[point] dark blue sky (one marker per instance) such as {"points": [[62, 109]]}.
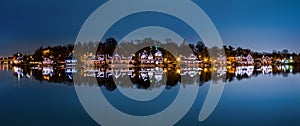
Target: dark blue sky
{"points": [[262, 25]]}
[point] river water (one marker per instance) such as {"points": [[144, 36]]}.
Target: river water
{"points": [[252, 96]]}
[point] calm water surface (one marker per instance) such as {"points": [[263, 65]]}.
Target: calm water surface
{"points": [[255, 99]]}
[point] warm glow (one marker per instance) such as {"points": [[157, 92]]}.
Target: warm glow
{"points": [[205, 69], [178, 71], [165, 70], [46, 78], [46, 51]]}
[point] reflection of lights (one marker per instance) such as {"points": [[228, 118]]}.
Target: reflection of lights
{"points": [[205, 70], [229, 67], [47, 71], [214, 69], [16, 69], [178, 59], [205, 59], [165, 70], [46, 78], [178, 71]]}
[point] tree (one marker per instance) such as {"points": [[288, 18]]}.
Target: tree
{"points": [[38, 55], [110, 45], [285, 51]]}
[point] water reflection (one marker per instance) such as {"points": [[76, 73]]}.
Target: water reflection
{"points": [[148, 78]]}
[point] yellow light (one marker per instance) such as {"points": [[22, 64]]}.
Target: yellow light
{"points": [[46, 78], [205, 69], [165, 70], [178, 59], [178, 71], [215, 69], [46, 51], [205, 59]]}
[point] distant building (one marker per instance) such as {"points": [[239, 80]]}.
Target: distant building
{"points": [[266, 60], [192, 59], [222, 60], [117, 59], [245, 60], [148, 58], [47, 61], [231, 60]]}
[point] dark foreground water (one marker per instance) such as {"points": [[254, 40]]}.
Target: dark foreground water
{"points": [[248, 99]]}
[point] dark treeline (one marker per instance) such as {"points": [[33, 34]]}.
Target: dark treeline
{"points": [[56, 53]]}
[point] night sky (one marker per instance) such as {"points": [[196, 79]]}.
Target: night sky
{"points": [[262, 25]]}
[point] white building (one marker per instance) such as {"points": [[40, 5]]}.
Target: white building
{"points": [[245, 60], [149, 58]]}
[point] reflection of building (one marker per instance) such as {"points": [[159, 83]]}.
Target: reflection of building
{"points": [[190, 71], [151, 73], [244, 70], [266, 69], [19, 72], [47, 71], [70, 64], [285, 68]]}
